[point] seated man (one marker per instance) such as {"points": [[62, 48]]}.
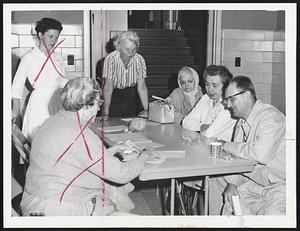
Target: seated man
{"points": [[70, 171], [259, 135]]}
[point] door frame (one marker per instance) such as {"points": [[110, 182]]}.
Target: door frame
{"points": [[214, 37]]}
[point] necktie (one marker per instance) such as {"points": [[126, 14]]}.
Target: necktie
{"points": [[245, 127]]}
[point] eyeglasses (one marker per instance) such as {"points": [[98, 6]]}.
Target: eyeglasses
{"points": [[229, 98], [99, 101]]}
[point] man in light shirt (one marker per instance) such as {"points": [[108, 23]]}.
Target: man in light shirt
{"points": [[259, 135]]}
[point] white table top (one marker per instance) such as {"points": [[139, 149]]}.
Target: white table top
{"points": [[197, 161]]}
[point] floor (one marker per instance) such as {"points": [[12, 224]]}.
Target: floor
{"points": [[146, 199]]}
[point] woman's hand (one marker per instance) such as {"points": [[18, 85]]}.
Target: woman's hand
{"points": [[148, 154], [120, 148], [204, 127], [169, 100], [143, 114], [137, 124]]}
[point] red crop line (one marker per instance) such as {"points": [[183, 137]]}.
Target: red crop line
{"points": [[102, 124], [52, 60], [73, 141], [86, 145], [38, 75], [102, 114], [78, 175]]}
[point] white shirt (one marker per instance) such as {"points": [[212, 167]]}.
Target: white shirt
{"points": [[221, 123]]}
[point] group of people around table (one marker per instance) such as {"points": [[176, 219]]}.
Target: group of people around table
{"points": [[71, 172]]}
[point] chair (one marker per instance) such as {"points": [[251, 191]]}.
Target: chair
{"points": [[21, 144], [22, 149]]}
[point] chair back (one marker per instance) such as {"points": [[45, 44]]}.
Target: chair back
{"points": [[22, 146], [21, 143]]}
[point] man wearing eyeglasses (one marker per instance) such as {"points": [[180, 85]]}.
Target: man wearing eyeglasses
{"points": [[259, 135]]}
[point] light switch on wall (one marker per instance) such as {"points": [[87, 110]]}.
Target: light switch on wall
{"points": [[70, 59], [237, 62]]}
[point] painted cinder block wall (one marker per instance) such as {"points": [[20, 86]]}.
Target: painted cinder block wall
{"points": [[258, 38], [24, 37]]}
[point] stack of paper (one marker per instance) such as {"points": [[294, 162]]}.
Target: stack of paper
{"points": [[119, 128], [172, 153], [133, 137]]}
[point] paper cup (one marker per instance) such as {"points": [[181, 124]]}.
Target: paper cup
{"points": [[215, 149]]}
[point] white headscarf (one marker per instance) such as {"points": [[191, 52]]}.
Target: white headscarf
{"points": [[192, 94]]}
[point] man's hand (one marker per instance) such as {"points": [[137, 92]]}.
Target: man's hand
{"points": [[229, 191], [207, 141]]}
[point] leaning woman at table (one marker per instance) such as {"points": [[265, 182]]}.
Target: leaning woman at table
{"points": [[187, 94], [44, 78], [69, 173], [124, 74]]}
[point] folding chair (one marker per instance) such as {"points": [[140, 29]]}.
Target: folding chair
{"points": [[22, 149], [21, 144]]}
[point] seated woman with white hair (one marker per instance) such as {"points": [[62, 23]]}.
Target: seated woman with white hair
{"points": [[71, 172]]}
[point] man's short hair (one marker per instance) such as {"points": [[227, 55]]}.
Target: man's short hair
{"points": [[126, 35], [244, 83], [79, 92], [221, 71]]}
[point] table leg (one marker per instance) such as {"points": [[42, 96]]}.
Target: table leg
{"points": [[172, 201], [206, 183]]}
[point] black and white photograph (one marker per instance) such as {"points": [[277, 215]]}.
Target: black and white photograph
{"points": [[164, 115]]}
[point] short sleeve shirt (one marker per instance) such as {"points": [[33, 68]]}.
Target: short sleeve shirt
{"points": [[115, 70]]}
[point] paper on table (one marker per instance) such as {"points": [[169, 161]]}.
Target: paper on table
{"points": [[156, 160], [172, 153], [142, 145], [133, 137], [152, 123], [115, 128]]}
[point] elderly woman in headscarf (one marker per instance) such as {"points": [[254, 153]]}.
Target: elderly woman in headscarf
{"points": [[187, 94]]}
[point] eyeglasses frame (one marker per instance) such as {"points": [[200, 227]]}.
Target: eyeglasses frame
{"points": [[225, 101]]}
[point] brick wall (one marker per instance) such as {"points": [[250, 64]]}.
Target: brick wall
{"points": [[262, 59], [24, 38]]}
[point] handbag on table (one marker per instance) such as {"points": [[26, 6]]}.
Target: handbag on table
{"points": [[161, 111]]}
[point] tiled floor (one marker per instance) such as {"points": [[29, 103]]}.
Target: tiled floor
{"points": [[146, 199]]}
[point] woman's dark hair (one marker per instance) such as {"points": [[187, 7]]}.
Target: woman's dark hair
{"points": [[221, 71], [244, 83], [46, 24]]}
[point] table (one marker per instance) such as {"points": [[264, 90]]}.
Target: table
{"points": [[197, 161]]}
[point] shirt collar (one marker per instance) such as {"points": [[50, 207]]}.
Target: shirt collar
{"points": [[130, 61], [211, 102], [253, 114]]}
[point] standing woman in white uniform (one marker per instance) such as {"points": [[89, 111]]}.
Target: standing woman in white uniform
{"points": [[44, 69]]}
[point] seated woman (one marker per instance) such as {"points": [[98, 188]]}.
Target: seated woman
{"points": [[187, 94], [209, 116], [71, 172]]}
